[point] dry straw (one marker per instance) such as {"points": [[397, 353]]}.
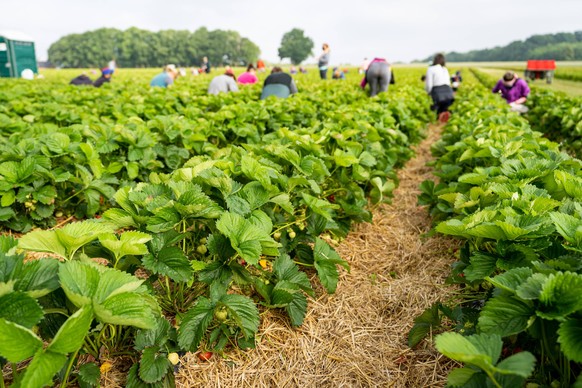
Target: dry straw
{"points": [[358, 336]]}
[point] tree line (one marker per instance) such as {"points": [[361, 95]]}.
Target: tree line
{"points": [[563, 46], [135, 47]]}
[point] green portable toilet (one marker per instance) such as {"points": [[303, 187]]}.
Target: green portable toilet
{"points": [[16, 54]]}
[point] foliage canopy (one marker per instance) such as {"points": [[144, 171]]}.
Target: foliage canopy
{"points": [[295, 46], [135, 47]]}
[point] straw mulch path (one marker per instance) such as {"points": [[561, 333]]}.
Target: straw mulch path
{"points": [[356, 337]]}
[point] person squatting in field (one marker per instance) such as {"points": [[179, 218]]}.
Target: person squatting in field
{"points": [[223, 83], [249, 76], [456, 81], [83, 79], [514, 90], [105, 77], [438, 86], [338, 73], [165, 78], [278, 84], [378, 75]]}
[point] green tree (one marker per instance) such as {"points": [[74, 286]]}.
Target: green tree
{"points": [[295, 46], [135, 47]]}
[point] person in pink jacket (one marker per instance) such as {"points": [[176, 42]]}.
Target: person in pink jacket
{"points": [[248, 77]]}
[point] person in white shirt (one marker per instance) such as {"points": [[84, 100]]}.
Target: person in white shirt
{"points": [[438, 86], [223, 83]]}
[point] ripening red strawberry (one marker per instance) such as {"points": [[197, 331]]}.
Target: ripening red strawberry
{"points": [[204, 356]]}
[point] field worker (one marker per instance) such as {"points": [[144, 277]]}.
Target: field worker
{"points": [[323, 61], [456, 81], [438, 86], [378, 76], [278, 84], [83, 79], [223, 83], [249, 76], [261, 66], [165, 78], [106, 74], [338, 73], [205, 65], [364, 66], [514, 90]]}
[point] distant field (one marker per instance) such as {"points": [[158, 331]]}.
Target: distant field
{"points": [[568, 74], [516, 64], [565, 70], [573, 88], [571, 71]]}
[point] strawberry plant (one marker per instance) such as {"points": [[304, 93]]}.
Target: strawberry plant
{"points": [[223, 205], [514, 199], [92, 292]]}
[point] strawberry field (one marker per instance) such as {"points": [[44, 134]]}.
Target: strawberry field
{"points": [[145, 223], [512, 196], [168, 218]]}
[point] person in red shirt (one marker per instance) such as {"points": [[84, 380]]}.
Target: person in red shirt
{"points": [[261, 66]]}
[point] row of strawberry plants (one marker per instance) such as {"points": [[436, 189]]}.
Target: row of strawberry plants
{"points": [[236, 227], [555, 114], [559, 116], [515, 201], [50, 170]]}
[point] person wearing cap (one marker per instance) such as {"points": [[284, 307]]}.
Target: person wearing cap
{"points": [[378, 75], [165, 78], [249, 76], [278, 84], [514, 90], [223, 83], [105, 77]]}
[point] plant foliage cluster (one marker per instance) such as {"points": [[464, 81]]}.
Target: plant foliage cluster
{"points": [[212, 208], [514, 199], [555, 114], [66, 150]]}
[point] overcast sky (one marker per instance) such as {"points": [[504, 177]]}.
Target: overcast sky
{"points": [[399, 30]]}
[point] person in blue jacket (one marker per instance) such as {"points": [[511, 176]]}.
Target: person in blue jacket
{"points": [[165, 78]]}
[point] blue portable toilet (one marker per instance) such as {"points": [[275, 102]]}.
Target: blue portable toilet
{"points": [[16, 54]]}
